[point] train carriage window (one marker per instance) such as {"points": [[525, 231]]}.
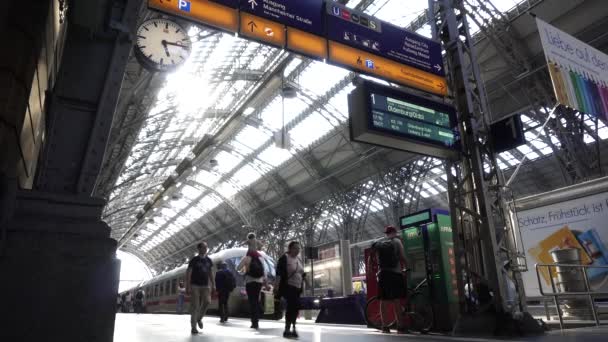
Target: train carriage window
{"points": [[162, 290], [156, 292], [167, 287], [174, 286]]}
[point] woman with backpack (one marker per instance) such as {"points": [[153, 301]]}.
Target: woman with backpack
{"points": [[255, 276], [290, 277]]}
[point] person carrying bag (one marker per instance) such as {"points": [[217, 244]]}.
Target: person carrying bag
{"points": [[288, 285]]}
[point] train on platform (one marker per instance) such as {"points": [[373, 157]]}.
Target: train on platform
{"points": [[161, 292]]}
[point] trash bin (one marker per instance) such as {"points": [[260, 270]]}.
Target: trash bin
{"points": [[571, 279]]}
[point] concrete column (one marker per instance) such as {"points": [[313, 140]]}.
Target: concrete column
{"points": [[347, 268]]}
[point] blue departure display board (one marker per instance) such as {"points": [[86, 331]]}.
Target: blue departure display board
{"points": [[367, 33], [306, 15], [392, 118]]}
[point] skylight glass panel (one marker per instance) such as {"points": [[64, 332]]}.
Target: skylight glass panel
{"points": [[509, 158], [206, 178], [209, 203], [226, 161], [274, 156], [193, 213], [501, 165], [227, 190], [432, 190], [603, 133], [320, 71], [340, 102], [292, 66], [246, 175], [251, 138], [179, 204], [272, 116], [310, 130], [526, 150], [190, 192]]}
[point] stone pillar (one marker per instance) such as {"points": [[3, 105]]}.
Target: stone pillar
{"points": [[58, 268], [59, 271], [22, 26]]}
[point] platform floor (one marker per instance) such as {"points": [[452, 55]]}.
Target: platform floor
{"points": [[174, 328]]}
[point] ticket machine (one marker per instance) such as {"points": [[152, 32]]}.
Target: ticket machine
{"points": [[429, 248]]}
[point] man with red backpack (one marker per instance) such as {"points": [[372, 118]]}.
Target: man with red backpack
{"points": [[391, 282], [252, 265]]}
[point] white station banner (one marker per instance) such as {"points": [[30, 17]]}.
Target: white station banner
{"points": [[580, 223], [578, 71], [571, 53]]}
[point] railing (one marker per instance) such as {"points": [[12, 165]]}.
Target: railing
{"points": [[556, 294]]}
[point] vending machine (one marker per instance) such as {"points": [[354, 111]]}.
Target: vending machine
{"points": [[429, 248]]}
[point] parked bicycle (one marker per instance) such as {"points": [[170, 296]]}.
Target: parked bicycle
{"points": [[416, 310]]}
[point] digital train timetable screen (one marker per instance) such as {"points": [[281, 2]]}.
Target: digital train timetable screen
{"points": [[400, 119], [412, 120]]}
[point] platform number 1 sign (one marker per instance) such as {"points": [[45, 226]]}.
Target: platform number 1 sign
{"points": [[184, 5]]}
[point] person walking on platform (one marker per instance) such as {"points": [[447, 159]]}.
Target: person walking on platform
{"points": [[255, 276], [289, 281], [225, 283], [391, 282], [181, 297], [127, 302], [200, 284], [139, 301]]}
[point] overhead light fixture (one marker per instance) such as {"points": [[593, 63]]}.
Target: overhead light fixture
{"points": [[289, 92], [248, 111], [213, 163]]}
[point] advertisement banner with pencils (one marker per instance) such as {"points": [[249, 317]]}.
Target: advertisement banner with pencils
{"points": [[579, 72]]}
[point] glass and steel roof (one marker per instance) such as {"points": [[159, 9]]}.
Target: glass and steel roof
{"points": [[217, 88]]}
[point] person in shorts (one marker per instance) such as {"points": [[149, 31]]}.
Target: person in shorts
{"points": [[391, 281]]}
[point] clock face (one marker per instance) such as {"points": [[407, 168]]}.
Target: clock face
{"points": [[162, 44]]}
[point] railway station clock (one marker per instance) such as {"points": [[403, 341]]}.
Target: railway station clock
{"points": [[162, 45]]}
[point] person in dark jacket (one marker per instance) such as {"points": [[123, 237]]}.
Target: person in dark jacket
{"points": [[224, 283], [289, 281]]}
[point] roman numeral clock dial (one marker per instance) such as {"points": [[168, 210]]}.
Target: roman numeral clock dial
{"points": [[162, 45]]}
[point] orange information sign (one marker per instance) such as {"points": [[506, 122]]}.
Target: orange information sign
{"points": [[386, 69], [201, 11], [262, 30], [306, 43]]}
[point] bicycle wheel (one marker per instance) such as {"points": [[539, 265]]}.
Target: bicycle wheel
{"points": [[373, 315], [420, 314]]}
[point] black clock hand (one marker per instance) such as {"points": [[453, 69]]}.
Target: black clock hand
{"points": [[176, 44], [164, 42]]}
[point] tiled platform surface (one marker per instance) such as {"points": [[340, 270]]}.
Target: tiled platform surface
{"points": [[173, 328]]}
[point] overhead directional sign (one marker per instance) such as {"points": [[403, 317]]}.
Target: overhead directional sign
{"points": [[262, 30], [306, 15], [201, 11], [367, 33], [306, 44], [386, 69], [325, 30], [391, 118], [229, 3]]}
